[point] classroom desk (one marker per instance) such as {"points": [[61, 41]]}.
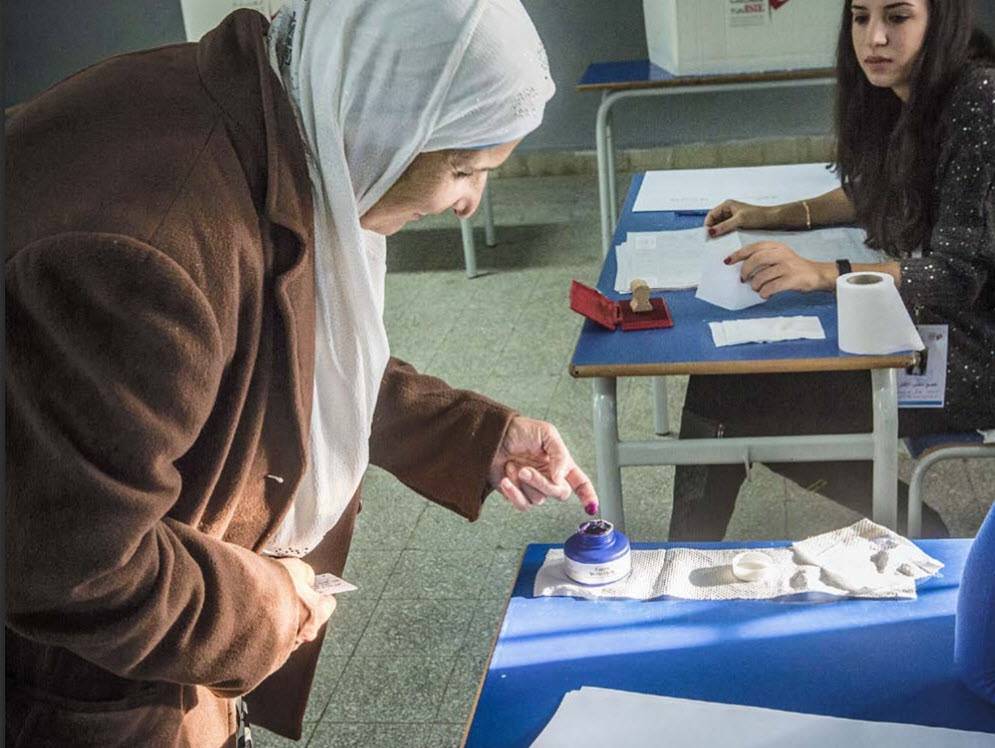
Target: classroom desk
{"points": [[687, 348], [630, 79], [888, 661]]}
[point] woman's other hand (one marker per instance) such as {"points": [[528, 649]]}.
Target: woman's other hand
{"points": [[533, 464], [732, 214], [320, 607], [772, 267]]}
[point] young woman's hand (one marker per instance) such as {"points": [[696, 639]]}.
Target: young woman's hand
{"points": [[772, 267], [732, 214], [320, 607], [534, 464]]}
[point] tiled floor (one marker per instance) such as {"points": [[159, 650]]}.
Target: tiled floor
{"points": [[405, 653]]}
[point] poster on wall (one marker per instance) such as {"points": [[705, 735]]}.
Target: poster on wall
{"points": [[200, 16], [744, 13]]}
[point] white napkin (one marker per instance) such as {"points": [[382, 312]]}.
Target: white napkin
{"points": [[686, 573], [867, 560], [766, 330], [841, 563]]}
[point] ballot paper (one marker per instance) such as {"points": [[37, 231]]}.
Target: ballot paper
{"points": [[721, 284], [639, 720], [329, 584], [694, 189], [674, 259]]}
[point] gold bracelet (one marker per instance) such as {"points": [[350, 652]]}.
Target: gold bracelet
{"points": [[808, 215]]}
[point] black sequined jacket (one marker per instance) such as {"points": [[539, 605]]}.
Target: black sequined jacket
{"points": [[953, 282]]}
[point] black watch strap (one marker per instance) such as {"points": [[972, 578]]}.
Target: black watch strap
{"points": [[843, 267]]}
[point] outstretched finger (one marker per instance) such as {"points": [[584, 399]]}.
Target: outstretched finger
{"points": [[584, 489]]}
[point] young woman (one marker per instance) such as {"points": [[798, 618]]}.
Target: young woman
{"points": [[915, 127], [197, 368]]}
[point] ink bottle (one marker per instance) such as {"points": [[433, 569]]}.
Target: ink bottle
{"points": [[597, 554]]}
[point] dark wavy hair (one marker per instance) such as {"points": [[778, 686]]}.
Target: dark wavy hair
{"points": [[887, 151]]}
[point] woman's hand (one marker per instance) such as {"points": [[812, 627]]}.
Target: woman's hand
{"points": [[732, 214], [320, 607], [772, 267], [533, 464]]}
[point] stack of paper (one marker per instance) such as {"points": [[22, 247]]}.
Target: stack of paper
{"points": [[674, 259], [692, 189]]}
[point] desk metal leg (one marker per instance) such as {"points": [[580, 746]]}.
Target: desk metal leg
{"points": [[612, 182], [884, 384], [601, 139], [488, 216], [469, 250], [606, 451], [661, 419]]}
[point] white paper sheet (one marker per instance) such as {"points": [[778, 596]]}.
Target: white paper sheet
{"points": [[599, 717], [721, 284], [673, 259], [697, 189]]}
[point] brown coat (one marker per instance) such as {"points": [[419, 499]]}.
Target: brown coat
{"points": [[160, 325]]}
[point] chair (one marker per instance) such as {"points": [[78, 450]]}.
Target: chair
{"points": [[466, 228], [928, 450]]}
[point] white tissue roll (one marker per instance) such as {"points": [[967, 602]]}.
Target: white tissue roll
{"points": [[872, 317]]}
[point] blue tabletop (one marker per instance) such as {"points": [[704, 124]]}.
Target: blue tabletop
{"points": [[864, 659], [687, 347], [643, 73]]}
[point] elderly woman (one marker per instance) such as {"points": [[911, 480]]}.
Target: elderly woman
{"points": [[198, 372]]}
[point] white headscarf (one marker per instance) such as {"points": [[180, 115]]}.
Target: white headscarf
{"points": [[374, 83]]}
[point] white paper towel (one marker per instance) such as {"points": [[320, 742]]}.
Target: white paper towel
{"points": [[765, 330], [863, 560], [867, 559], [872, 316]]}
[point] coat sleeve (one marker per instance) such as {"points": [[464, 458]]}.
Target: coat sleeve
{"points": [[114, 360], [437, 440]]}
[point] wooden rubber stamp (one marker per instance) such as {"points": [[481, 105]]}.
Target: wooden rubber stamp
{"points": [[640, 296]]}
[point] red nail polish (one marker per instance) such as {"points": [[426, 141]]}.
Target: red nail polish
{"points": [[591, 509], [727, 260], [711, 232]]}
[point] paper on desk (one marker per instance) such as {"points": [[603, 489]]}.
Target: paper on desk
{"points": [[673, 259], [664, 259], [599, 717], [696, 189], [721, 284]]}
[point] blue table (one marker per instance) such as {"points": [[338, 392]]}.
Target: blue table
{"points": [[629, 79], [877, 660], [687, 348]]}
